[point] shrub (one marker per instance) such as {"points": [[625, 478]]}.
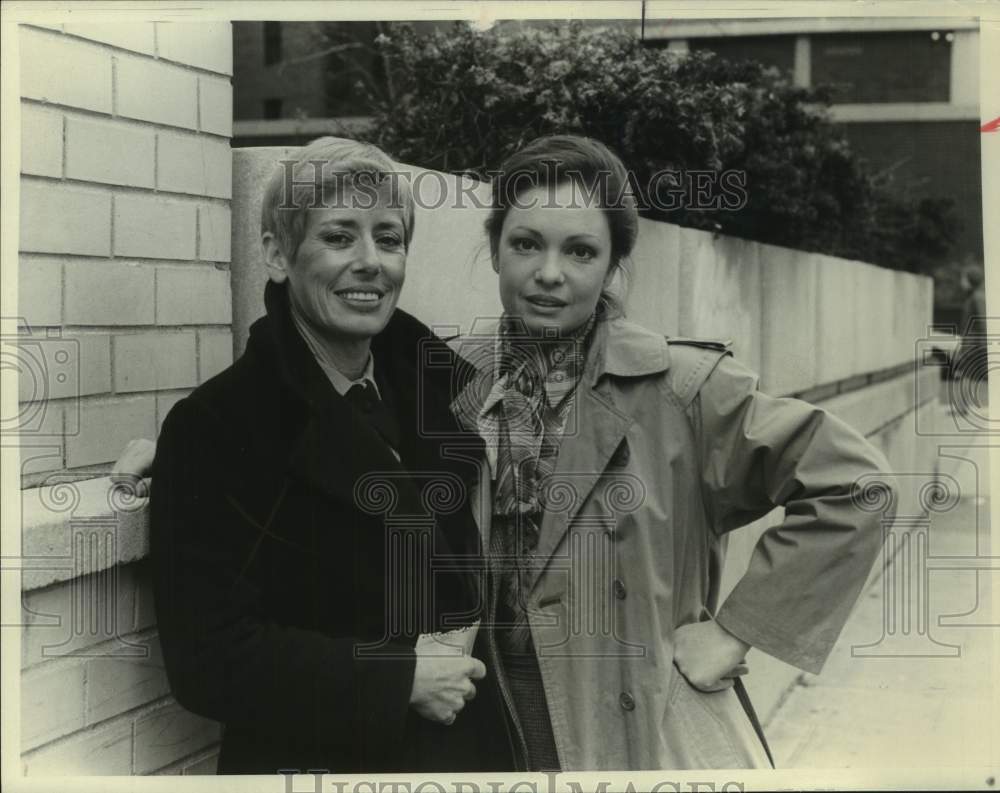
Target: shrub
{"points": [[463, 99]]}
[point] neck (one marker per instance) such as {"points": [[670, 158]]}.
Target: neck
{"points": [[347, 356]]}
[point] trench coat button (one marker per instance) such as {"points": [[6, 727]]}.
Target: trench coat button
{"points": [[619, 588], [627, 701]]}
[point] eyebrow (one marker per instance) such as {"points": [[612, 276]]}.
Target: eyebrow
{"points": [[354, 225], [583, 235]]}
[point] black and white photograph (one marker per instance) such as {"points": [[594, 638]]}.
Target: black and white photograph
{"points": [[469, 397]]}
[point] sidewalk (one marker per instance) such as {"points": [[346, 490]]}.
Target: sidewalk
{"points": [[889, 699]]}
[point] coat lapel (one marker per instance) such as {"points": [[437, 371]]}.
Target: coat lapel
{"points": [[335, 451], [594, 429], [474, 364], [343, 458]]}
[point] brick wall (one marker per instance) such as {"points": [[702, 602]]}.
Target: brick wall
{"points": [[124, 307]]}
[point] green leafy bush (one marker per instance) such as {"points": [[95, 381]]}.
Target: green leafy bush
{"points": [[461, 100]]}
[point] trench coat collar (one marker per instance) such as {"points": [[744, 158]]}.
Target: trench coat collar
{"points": [[623, 349], [619, 348], [596, 426]]}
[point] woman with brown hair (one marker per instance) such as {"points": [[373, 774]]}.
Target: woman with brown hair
{"points": [[617, 461]]}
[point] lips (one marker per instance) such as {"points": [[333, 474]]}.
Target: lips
{"points": [[360, 294], [545, 301]]}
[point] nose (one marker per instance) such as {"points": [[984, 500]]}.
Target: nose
{"points": [[368, 256], [550, 273]]}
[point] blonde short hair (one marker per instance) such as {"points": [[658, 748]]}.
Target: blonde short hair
{"points": [[320, 169]]}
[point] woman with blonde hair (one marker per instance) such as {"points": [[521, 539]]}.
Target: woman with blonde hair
{"points": [[290, 605]]}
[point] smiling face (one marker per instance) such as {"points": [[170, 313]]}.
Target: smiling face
{"points": [[347, 273], [553, 257]]}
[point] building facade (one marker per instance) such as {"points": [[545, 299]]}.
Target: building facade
{"points": [[906, 92]]}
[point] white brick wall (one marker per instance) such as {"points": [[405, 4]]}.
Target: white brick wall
{"points": [[106, 750], [39, 290], [134, 36], [52, 702], [41, 142], [194, 164], [109, 425], [60, 219], [215, 105], [189, 296], [125, 306], [168, 733], [65, 366], [115, 685], [214, 232], [109, 293], [64, 71], [155, 361], [207, 45], [174, 102], [110, 152], [94, 692], [152, 227]]}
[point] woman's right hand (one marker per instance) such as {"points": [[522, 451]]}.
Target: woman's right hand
{"points": [[135, 465], [443, 684]]}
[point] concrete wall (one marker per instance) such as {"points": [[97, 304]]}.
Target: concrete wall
{"points": [[801, 320], [124, 306]]}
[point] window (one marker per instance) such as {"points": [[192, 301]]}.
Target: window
{"points": [[272, 108], [272, 43], [774, 50], [910, 66]]}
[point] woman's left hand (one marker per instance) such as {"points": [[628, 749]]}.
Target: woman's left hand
{"points": [[709, 656]]}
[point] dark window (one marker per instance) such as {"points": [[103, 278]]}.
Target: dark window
{"points": [[272, 42], [272, 108], [911, 66], [774, 50]]}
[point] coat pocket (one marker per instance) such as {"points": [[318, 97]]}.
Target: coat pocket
{"points": [[702, 726]]}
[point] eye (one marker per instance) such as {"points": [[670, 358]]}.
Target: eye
{"points": [[582, 252], [390, 241], [338, 239], [523, 245]]}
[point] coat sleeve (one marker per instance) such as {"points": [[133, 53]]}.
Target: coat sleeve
{"points": [[759, 452], [225, 660]]}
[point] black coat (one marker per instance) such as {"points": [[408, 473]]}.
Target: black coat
{"points": [[286, 609]]}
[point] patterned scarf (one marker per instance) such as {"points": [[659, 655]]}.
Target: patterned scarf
{"points": [[526, 411], [529, 404]]}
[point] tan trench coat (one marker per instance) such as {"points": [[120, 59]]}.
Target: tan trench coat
{"points": [[669, 446]]}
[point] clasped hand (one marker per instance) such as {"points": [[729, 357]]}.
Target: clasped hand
{"points": [[709, 656], [443, 684]]}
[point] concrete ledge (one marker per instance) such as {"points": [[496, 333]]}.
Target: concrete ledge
{"points": [[679, 28], [72, 529], [903, 111], [872, 407]]}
